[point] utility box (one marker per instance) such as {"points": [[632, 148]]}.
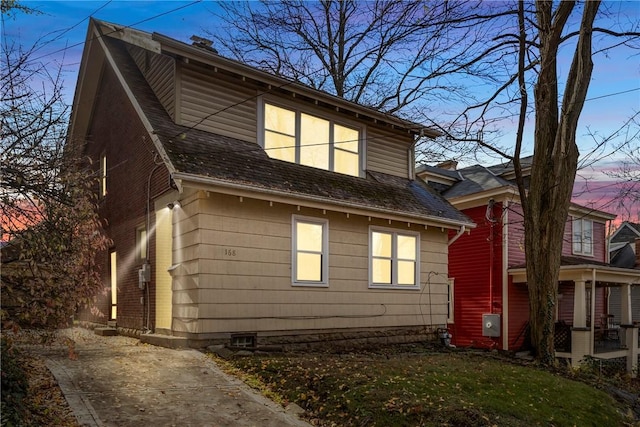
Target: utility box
{"points": [[491, 325]]}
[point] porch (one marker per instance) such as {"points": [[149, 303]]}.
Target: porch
{"points": [[585, 329]]}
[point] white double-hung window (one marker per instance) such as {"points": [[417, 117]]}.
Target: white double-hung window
{"points": [[298, 137], [582, 232], [310, 242], [394, 258]]}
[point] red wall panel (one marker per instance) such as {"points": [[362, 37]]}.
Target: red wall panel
{"points": [[477, 278]]}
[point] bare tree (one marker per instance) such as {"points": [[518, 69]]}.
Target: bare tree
{"points": [[50, 229], [388, 55], [543, 28]]}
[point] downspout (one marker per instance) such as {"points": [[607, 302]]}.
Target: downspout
{"points": [[457, 236], [492, 220], [146, 290]]}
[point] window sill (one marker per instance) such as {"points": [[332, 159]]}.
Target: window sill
{"points": [[395, 287], [310, 285]]}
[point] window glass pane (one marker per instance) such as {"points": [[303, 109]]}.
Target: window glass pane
{"points": [[381, 271], [103, 175], [314, 141], [381, 244], [406, 247], [142, 239], [346, 163], [345, 138], [577, 235], [279, 120], [309, 267], [406, 273], [309, 237], [280, 147], [587, 236]]}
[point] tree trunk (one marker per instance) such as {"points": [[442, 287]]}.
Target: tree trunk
{"points": [[554, 166]]}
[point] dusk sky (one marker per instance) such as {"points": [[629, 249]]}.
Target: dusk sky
{"points": [[613, 97]]}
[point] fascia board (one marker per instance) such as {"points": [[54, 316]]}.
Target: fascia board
{"points": [[481, 198], [139, 111]]}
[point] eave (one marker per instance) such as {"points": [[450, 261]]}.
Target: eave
{"points": [[194, 53], [247, 190]]}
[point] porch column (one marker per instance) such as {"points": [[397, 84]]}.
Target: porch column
{"points": [[625, 305], [580, 305], [628, 333], [580, 334], [630, 336]]}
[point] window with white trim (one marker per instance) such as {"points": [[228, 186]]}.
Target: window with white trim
{"points": [[298, 137], [310, 246], [394, 258], [582, 232]]}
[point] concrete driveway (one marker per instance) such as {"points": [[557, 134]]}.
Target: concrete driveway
{"points": [[117, 381]]}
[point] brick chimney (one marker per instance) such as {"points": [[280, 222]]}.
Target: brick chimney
{"points": [[637, 252]]}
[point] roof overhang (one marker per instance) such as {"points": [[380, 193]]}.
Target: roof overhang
{"points": [[498, 194], [194, 53], [587, 273], [243, 190]]}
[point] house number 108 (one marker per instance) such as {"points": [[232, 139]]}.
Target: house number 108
{"points": [[229, 252]]}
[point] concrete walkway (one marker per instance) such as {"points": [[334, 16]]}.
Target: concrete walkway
{"points": [[116, 381]]}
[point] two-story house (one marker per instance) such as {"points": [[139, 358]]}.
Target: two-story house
{"points": [[249, 209], [487, 270]]}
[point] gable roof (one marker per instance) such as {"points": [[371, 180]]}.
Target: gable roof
{"points": [[479, 179], [202, 159], [627, 232]]}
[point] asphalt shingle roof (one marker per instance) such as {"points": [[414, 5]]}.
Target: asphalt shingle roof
{"points": [[204, 154], [476, 179]]}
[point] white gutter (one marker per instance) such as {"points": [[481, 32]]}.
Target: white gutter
{"points": [[457, 236]]}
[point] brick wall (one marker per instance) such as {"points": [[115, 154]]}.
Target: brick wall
{"points": [[117, 132]]}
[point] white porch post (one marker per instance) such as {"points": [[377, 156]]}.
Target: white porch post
{"points": [[580, 305], [580, 334], [629, 333], [625, 304]]}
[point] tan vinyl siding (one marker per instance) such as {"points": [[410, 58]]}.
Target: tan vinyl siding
{"points": [[388, 152], [212, 102], [162, 264], [161, 76], [243, 260], [159, 71]]}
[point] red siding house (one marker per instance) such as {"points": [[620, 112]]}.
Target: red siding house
{"points": [[487, 270]]}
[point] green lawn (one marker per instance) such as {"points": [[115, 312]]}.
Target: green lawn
{"points": [[430, 389]]}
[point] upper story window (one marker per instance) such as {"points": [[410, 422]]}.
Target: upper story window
{"points": [[310, 251], [394, 260], [103, 175], [302, 138], [582, 236]]}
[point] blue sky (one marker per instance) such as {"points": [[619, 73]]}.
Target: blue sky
{"points": [[614, 94]]}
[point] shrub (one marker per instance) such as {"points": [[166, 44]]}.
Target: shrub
{"points": [[14, 386]]}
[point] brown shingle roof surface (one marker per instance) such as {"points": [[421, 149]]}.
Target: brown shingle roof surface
{"points": [[196, 152]]}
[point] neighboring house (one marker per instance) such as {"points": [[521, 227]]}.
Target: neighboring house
{"points": [[624, 251], [249, 209], [488, 266]]}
